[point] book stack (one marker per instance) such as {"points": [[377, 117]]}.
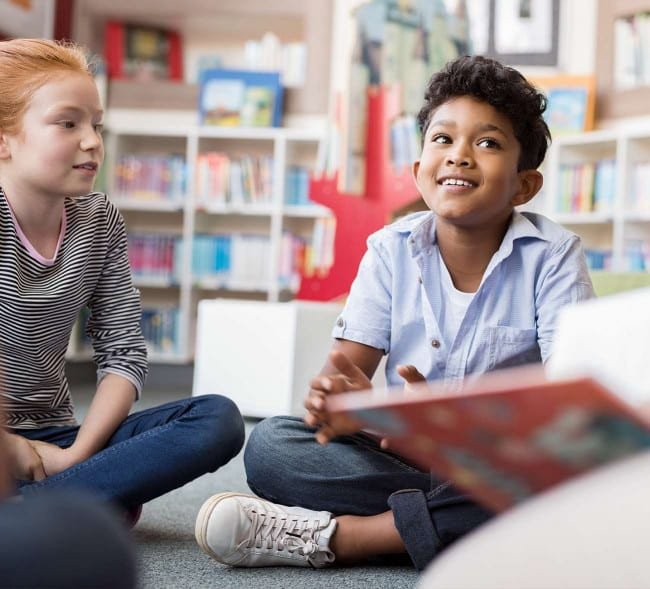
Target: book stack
{"points": [[160, 329], [587, 187], [222, 180], [150, 177], [154, 258]]}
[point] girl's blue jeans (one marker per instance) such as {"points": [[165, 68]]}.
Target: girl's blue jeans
{"points": [[151, 452], [352, 475]]}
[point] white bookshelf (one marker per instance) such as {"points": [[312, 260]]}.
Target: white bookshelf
{"points": [[160, 133], [626, 222]]}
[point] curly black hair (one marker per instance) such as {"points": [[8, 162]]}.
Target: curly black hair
{"points": [[500, 86]]}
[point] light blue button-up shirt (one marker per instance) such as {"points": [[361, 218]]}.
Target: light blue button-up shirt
{"points": [[397, 301]]}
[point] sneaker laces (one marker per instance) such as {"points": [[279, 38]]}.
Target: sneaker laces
{"points": [[273, 531]]}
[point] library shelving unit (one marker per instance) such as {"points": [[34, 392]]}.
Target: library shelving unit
{"points": [[610, 212], [180, 216]]}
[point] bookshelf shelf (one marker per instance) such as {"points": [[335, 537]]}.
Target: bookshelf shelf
{"points": [[611, 213], [591, 218], [128, 203], [171, 233]]}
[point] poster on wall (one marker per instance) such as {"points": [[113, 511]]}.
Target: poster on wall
{"points": [[27, 18]]}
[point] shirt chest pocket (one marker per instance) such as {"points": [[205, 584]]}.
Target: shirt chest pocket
{"points": [[511, 346]]}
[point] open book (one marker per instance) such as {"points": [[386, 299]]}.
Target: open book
{"points": [[512, 433]]}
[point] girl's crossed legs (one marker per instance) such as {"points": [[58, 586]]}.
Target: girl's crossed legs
{"points": [[152, 452]]}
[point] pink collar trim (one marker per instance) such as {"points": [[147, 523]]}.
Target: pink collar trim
{"points": [[30, 248]]}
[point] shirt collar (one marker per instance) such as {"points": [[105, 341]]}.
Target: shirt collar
{"points": [[421, 231]]}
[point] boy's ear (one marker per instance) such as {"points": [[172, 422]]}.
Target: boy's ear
{"points": [[416, 167], [530, 182]]}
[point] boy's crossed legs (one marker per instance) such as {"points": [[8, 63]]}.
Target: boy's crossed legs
{"points": [[381, 504]]}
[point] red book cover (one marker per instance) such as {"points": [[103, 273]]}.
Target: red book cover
{"points": [[504, 436], [142, 53]]}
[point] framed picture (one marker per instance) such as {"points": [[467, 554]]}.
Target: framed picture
{"points": [[571, 102], [240, 98], [516, 32]]}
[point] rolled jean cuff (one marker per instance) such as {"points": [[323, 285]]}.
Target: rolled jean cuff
{"points": [[413, 522]]}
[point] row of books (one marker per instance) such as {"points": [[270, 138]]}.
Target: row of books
{"points": [[241, 261], [154, 258], [270, 54], [151, 176], [632, 51], [297, 186], [222, 180], [160, 328], [598, 259], [404, 142], [637, 255], [304, 257], [587, 187], [237, 261]]}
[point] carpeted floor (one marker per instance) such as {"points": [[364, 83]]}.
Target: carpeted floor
{"points": [[169, 557]]}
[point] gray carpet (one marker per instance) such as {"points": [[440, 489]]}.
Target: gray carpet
{"points": [[169, 557]]}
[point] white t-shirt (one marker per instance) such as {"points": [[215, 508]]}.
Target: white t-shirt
{"points": [[455, 304]]}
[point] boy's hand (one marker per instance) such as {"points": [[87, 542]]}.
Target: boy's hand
{"points": [[349, 378], [412, 376], [25, 461]]}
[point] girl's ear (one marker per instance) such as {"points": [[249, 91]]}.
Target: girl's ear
{"points": [[530, 182], [5, 152]]}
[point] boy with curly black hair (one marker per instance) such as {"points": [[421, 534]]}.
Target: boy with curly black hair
{"points": [[468, 287]]}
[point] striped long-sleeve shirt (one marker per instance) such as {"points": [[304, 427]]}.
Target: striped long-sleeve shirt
{"points": [[41, 299]]}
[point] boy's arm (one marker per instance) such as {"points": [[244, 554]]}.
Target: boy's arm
{"points": [[110, 406]]}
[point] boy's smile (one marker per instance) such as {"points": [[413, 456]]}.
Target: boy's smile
{"points": [[467, 173]]}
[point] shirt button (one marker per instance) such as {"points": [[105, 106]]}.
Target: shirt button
{"points": [[420, 279], [435, 343], [339, 322]]}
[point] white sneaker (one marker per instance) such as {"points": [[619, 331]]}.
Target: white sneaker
{"points": [[246, 531]]}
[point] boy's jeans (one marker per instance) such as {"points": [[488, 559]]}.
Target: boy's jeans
{"points": [[151, 452], [353, 476]]}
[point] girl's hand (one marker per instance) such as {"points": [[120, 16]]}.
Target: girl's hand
{"points": [[349, 378], [53, 458], [25, 462]]}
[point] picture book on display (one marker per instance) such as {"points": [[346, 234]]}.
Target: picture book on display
{"points": [[505, 436], [142, 53], [240, 98]]}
